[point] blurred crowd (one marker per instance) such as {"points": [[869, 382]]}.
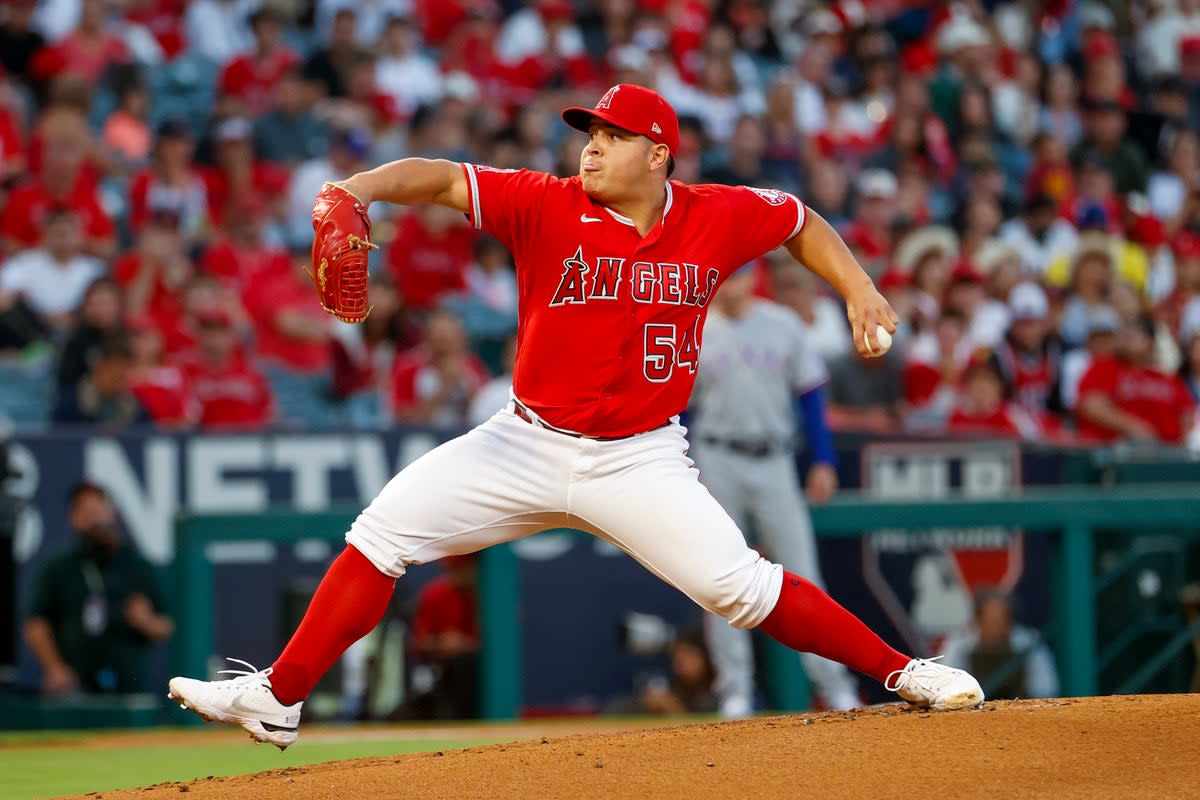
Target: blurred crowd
{"points": [[1019, 178]]}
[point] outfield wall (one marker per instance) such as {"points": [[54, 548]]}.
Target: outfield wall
{"points": [[574, 591]]}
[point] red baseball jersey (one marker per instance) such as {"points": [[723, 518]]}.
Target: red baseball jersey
{"points": [[1151, 396], [608, 338]]}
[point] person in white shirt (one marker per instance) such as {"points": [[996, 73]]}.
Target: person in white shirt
{"points": [[52, 279], [219, 30], [403, 71], [1040, 235], [1169, 189]]}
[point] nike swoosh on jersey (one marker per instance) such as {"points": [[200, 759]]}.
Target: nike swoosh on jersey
{"points": [[586, 218]]}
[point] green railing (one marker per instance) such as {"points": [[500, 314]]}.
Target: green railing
{"points": [[1071, 514]]}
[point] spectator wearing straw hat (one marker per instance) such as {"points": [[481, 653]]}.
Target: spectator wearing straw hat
{"points": [[927, 256]]}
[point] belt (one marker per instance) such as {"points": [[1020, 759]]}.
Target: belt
{"points": [[523, 413], [753, 448]]}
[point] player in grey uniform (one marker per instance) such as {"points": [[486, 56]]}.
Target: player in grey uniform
{"points": [[755, 365]]}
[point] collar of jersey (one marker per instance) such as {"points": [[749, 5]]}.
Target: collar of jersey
{"points": [[627, 221]]}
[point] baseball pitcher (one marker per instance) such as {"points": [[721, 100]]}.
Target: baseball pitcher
{"points": [[615, 269]]}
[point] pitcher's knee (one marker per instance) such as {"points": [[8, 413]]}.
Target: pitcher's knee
{"points": [[379, 549], [744, 595]]}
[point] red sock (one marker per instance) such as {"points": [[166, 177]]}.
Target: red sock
{"points": [[808, 620], [348, 604]]}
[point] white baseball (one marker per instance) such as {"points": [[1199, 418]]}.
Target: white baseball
{"points": [[882, 337]]}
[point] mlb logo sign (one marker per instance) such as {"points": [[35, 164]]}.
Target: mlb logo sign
{"points": [[925, 580]]}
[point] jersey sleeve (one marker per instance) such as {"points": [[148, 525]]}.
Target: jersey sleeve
{"points": [[506, 204], [1100, 377], [759, 220]]}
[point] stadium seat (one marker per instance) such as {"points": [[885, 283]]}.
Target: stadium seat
{"points": [[26, 391]]}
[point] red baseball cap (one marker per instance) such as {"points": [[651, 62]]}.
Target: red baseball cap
{"points": [[1186, 245], [633, 108]]}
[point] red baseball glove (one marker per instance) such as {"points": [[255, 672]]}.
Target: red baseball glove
{"points": [[340, 246]]}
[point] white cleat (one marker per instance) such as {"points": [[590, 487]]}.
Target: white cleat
{"points": [[927, 684], [246, 700]]}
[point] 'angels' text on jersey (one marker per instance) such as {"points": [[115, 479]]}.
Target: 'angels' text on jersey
{"points": [[611, 278]]}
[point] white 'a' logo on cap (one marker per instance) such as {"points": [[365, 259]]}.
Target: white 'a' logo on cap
{"points": [[606, 101], [656, 129]]}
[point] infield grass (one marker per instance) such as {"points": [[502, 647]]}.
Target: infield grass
{"points": [[52, 765]]}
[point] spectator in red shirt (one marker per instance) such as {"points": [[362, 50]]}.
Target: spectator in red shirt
{"points": [[443, 18], [172, 184], [157, 384], [249, 80], [292, 331], [12, 149], [1126, 397], [87, 52], [870, 235], [542, 46], [241, 255], [163, 19], [983, 407], [154, 273], [1030, 356], [62, 185], [229, 392], [935, 368], [239, 175], [433, 384], [176, 317], [430, 255], [1051, 175], [446, 641]]}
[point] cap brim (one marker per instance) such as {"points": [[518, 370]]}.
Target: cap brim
{"points": [[581, 119]]}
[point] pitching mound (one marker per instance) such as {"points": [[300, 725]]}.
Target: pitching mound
{"points": [[1107, 747]]}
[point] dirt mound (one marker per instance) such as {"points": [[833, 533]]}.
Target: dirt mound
{"points": [[1095, 748]]}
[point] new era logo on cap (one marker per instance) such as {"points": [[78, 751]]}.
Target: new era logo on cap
{"points": [[633, 108]]}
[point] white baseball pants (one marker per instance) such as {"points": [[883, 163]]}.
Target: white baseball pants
{"points": [[507, 479]]}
